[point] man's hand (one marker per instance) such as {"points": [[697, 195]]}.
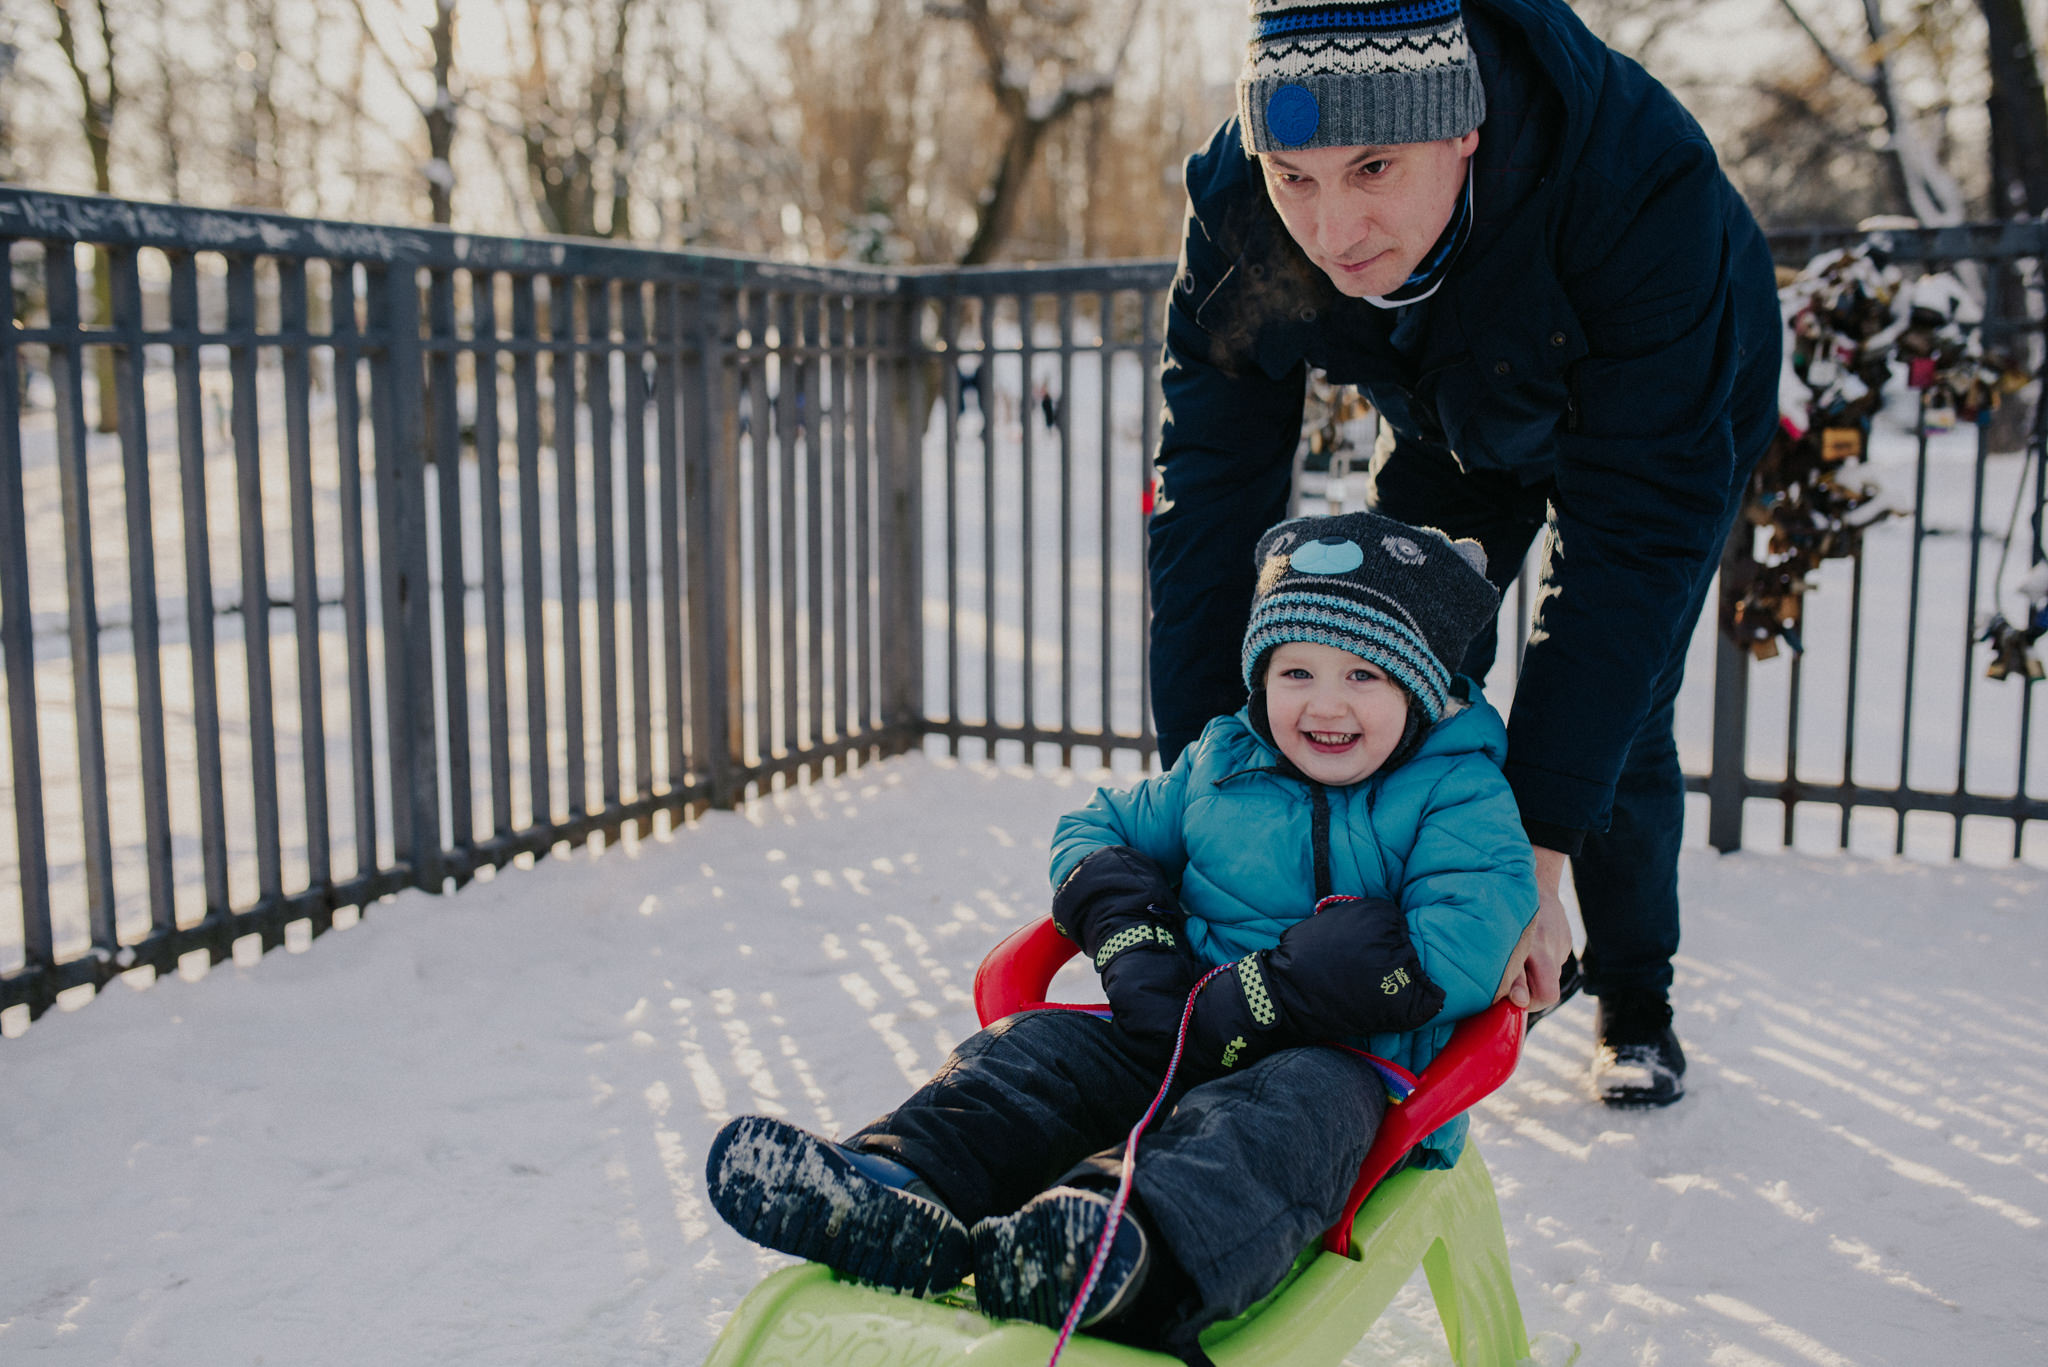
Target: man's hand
{"points": [[1531, 980]]}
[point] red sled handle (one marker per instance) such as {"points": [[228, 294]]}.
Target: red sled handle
{"points": [[1480, 1056]]}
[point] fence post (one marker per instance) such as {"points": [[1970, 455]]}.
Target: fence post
{"points": [[397, 394], [901, 562], [17, 646], [1727, 776], [711, 512]]}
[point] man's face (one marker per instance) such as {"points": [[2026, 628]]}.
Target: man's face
{"points": [[1368, 215]]}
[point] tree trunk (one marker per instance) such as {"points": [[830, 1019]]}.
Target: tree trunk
{"points": [[441, 117], [2019, 112], [999, 211]]}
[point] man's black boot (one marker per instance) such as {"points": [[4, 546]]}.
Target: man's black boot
{"points": [[1637, 1061]]}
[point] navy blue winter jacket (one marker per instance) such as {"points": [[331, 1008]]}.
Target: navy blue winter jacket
{"points": [[1610, 332]]}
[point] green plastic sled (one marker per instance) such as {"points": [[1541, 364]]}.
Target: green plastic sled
{"points": [[1449, 1222]]}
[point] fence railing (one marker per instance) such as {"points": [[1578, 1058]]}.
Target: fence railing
{"points": [[436, 551]]}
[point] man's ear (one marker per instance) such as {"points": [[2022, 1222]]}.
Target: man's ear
{"points": [[1468, 144]]}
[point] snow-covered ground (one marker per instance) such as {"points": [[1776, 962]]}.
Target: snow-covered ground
{"points": [[472, 1129]]}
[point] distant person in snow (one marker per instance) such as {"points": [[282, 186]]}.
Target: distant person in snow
{"points": [[1344, 854], [1522, 250]]}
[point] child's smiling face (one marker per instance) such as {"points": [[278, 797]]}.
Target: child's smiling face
{"points": [[1334, 715]]}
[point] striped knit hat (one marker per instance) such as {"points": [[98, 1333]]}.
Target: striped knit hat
{"points": [[1364, 73], [1408, 599]]}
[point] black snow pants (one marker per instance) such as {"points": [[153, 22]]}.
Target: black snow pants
{"points": [[1234, 1176]]}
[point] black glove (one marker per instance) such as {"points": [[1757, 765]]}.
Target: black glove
{"points": [[1350, 969], [1120, 907]]}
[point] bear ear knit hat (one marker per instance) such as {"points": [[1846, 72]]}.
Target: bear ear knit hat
{"points": [[1408, 599], [1366, 73]]}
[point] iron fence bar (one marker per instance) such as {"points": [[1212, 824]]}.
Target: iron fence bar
{"points": [[17, 638], [490, 498], [1912, 619], [1796, 691], [633, 404], [839, 453], [669, 519], [296, 371], [527, 436], [398, 405], [1106, 496], [215, 936], [955, 398], [1153, 313], [131, 410], [894, 571], [199, 608], [990, 387], [1969, 627], [1027, 504], [756, 381], [814, 518], [865, 374], [908, 512], [1855, 677], [247, 439], [713, 574], [2038, 551], [444, 451], [787, 584], [1951, 804], [66, 363], [1064, 409], [568, 542], [597, 386], [345, 357], [1038, 735]]}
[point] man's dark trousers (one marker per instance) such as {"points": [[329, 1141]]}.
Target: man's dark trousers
{"points": [[1626, 877]]}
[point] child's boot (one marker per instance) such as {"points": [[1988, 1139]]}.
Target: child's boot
{"points": [[1030, 1265], [860, 1214]]}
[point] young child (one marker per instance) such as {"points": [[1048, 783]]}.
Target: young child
{"points": [[1346, 844]]}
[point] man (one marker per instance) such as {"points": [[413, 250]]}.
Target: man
{"points": [[1522, 250]]}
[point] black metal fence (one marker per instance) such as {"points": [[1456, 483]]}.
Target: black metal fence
{"points": [[438, 551]]}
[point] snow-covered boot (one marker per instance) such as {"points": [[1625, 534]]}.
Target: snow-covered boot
{"points": [[1030, 1265], [1638, 1061], [860, 1214]]}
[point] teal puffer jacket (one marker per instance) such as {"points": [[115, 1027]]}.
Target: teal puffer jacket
{"points": [[1440, 837]]}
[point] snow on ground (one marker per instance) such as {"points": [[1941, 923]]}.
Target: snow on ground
{"points": [[472, 1129]]}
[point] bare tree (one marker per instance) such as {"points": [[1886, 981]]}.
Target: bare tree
{"points": [[100, 94], [1035, 62], [1927, 188], [2019, 111], [438, 109], [574, 120]]}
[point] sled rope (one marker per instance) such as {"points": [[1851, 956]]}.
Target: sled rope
{"points": [[1123, 1185]]}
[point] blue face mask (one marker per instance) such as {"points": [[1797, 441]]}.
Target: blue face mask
{"points": [[1437, 263]]}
